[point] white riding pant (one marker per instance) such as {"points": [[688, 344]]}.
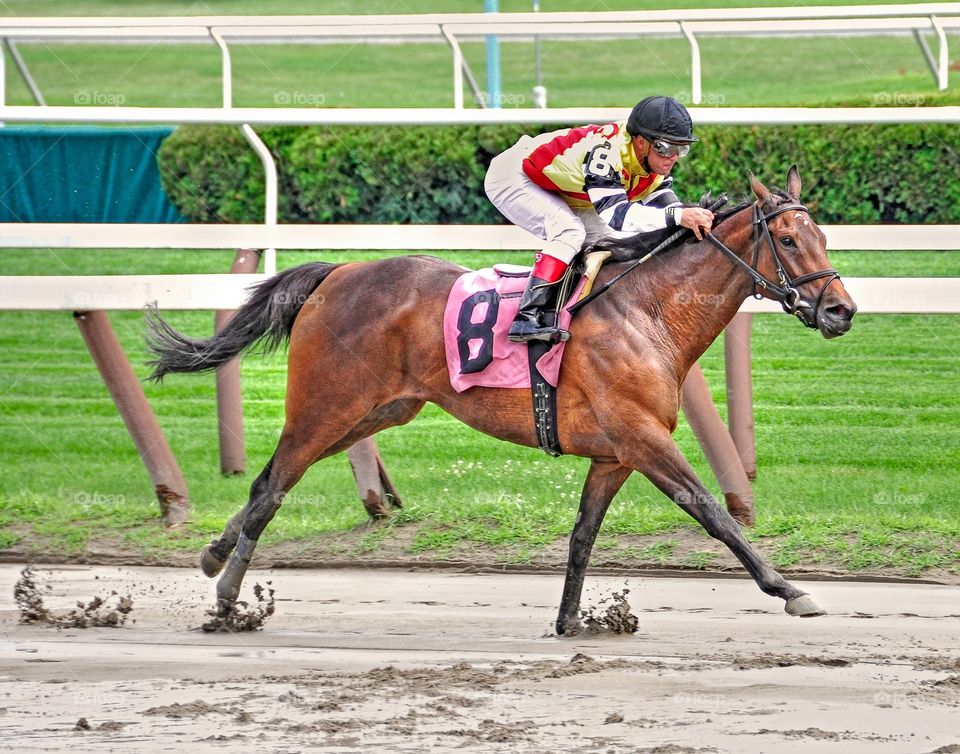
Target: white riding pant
{"points": [[544, 213]]}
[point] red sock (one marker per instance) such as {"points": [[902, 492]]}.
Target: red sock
{"points": [[548, 268]]}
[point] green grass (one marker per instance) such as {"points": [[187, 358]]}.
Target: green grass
{"points": [[858, 438], [858, 443], [858, 70]]}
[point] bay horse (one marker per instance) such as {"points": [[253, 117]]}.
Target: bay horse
{"points": [[366, 352]]}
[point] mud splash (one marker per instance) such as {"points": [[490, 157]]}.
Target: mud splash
{"points": [[235, 617], [617, 618], [95, 613]]}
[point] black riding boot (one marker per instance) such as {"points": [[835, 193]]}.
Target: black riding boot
{"points": [[534, 321]]}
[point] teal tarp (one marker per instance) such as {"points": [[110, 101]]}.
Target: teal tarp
{"points": [[77, 174]]}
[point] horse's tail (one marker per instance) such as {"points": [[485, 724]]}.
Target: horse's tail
{"points": [[267, 317]]}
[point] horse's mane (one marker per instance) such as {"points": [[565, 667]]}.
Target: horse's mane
{"points": [[636, 246]]}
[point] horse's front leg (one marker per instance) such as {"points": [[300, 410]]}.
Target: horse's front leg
{"points": [[663, 464], [603, 481]]}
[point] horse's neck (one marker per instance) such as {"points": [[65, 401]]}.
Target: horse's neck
{"points": [[701, 290]]}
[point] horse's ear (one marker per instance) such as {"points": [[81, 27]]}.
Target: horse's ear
{"points": [[760, 191], [793, 183]]}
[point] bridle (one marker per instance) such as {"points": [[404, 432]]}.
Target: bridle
{"points": [[785, 289]]}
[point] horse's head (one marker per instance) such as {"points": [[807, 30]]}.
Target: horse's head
{"points": [[792, 251]]}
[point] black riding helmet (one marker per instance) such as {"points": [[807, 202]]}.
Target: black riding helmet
{"points": [[661, 118]]}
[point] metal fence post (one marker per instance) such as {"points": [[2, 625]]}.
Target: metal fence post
{"points": [[736, 346], [376, 490], [715, 440], [229, 391], [131, 402]]}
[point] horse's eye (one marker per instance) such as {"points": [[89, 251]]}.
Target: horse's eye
{"points": [[786, 241]]}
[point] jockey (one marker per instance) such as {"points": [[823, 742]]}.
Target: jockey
{"points": [[579, 185]]}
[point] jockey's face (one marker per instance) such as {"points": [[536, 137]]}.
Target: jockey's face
{"points": [[657, 162]]}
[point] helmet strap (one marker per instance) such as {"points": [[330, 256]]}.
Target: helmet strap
{"points": [[644, 162]]}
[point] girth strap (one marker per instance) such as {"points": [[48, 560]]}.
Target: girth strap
{"points": [[544, 401]]}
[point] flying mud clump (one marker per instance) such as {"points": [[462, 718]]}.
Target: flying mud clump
{"points": [[618, 618], [98, 612], [233, 617]]}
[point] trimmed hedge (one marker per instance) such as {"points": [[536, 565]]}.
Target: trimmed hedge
{"points": [[852, 174]]}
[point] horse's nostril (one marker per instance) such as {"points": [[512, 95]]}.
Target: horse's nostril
{"points": [[839, 312]]}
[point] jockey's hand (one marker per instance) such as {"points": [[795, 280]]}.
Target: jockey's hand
{"points": [[697, 219]]}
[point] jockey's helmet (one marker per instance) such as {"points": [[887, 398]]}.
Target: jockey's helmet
{"points": [[661, 118]]}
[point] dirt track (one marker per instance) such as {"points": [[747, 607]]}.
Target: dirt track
{"points": [[390, 661]]}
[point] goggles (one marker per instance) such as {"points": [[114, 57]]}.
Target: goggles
{"points": [[669, 149]]}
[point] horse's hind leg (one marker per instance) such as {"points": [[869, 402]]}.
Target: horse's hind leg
{"points": [[297, 450], [215, 554], [282, 472]]}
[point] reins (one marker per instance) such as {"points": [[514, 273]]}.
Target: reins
{"points": [[667, 242], [784, 290]]}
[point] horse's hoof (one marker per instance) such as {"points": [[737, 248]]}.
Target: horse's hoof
{"points": [[804, 607], [569, 628], [210, 564]]}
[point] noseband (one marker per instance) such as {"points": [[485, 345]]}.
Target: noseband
{"points": [[785, 289]]}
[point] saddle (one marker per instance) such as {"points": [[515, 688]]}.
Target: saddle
{"points": [[480, 308], [585, 267]]}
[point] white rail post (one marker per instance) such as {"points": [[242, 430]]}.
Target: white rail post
{"points": [[943, 69], [457, 68], [696, 89], [266, 159], [270, 203], [226, 69]]}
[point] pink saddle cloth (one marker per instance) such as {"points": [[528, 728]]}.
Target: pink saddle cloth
{"points": [[480, 309]]}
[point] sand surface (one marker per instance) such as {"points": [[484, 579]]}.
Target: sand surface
{"points": [[392, 661]]}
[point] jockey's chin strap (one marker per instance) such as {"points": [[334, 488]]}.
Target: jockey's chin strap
{"points": [[785, 289]]}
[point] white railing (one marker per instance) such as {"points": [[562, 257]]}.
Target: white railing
{"points": [[120, 292], [73, 293], [915, 18], [393, 237]]}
